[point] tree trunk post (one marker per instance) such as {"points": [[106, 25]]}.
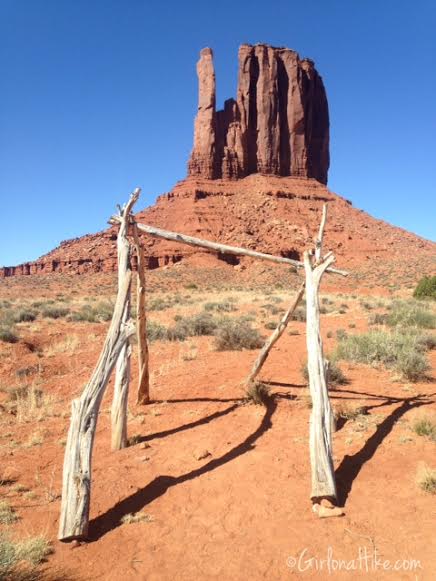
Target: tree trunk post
{"points": [[122, 369], [321, 455], [76, 485], [121, 393], [143, 396]]}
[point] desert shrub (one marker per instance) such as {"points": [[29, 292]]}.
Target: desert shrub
{"points": [[271, 325], [177, 332], [341, 334], [23, 372], [200, 324], [19, 559], [398, 351], [410, 314], [54, 311], [378, 319], [299, 315], [276, 299], [349, 412], [159, 304], [7, 513], [101, 312], [335, 374], [235, 335], [34, 549], [224, 307], [272, 309], [156, 331], [8, 335], [29, 403], [25, 316], [258, 393], [426, 342], [425, 426], [6, 314], [426, 288], [426, 478], [412, 366]]}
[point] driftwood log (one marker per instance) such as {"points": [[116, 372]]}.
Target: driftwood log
{"points": [[275, 336], [143, 395], [76, 486], [321, 455], [217, 247]]}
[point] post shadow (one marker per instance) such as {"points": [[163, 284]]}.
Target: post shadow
{"points": [[200, 422], [348, 470], [111, 519]]}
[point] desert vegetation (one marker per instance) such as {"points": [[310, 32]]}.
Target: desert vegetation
{"points": [[190, 332]]}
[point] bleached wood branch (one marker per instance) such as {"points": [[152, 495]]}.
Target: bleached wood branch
{"points": [[143, 396], [76, 486], [321, 454], [275, 336], [122, 369], [319, 239], [217, 247]]}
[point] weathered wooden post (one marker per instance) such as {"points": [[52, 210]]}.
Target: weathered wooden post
{"points": [[143, 396], [122, 369], [121, 392], [76, 486], [321, 456]]}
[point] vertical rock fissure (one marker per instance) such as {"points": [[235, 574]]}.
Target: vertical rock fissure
{"points": [[283, 100], [252, 117]]}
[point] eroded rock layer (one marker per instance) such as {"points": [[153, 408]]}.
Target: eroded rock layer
{"points": [[273, 214], [278, 124]]}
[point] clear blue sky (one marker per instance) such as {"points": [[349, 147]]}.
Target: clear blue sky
{"points": [[99, 96]]}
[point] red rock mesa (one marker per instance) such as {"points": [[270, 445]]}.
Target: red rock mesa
{"points": [[278, 124]]}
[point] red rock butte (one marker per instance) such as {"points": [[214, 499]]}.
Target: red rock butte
{"points": [[256, 179], [278, 124]]}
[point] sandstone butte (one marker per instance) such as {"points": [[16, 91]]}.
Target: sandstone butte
{"points": [[257, 178]]}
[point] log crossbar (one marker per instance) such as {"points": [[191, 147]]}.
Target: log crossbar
{"points": [[217, 247]]}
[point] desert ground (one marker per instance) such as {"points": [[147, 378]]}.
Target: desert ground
{"points": [[214, 485]]}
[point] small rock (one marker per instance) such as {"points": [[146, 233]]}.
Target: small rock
{"points": [[324, 512], [202, 454], [144, 445], [75, 544], [327, 503]]}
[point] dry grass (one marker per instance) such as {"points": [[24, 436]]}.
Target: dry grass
{"points": [[258, 393], [68, 345], [19, 559], [7, 514], [425, 426], [426, 479], [29, 403], [135, 517]]}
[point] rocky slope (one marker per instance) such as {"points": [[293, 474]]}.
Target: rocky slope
{"points": [[273, 214]]}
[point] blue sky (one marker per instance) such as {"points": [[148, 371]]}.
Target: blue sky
{"points": [[99, 96]]}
